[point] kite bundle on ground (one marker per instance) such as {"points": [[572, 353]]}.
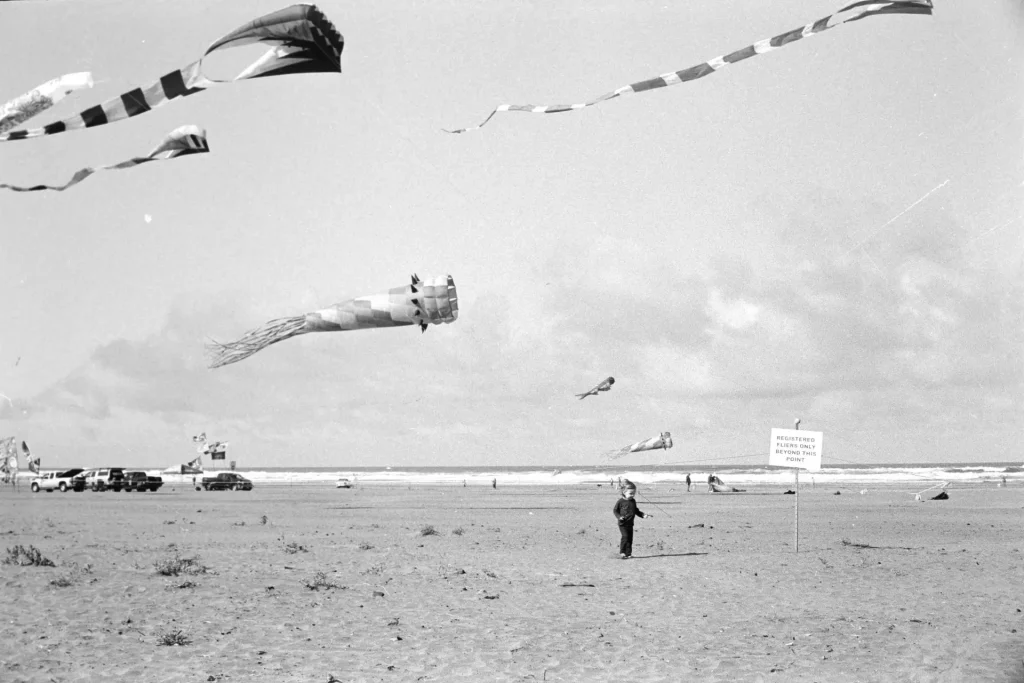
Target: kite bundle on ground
{"points": [[664, 441], [303, 40], [178, 143], [8, 457], [853, 12], [423, 303]]}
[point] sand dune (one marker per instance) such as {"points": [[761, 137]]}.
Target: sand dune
{"points": [[516, 585]]}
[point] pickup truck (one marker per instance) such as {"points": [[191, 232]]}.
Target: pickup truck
{"points": [[227, 480], [58, 481], [140, 481]]}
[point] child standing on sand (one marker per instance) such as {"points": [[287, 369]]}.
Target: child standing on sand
{"points": [[625, 510]]}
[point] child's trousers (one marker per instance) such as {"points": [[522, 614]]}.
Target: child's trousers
{"points": [[626, 544]]}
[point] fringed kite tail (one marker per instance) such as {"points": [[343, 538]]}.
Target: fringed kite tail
{"points": [[255, 340]]}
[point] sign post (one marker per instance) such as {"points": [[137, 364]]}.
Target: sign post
{"points": [[800, 451]]}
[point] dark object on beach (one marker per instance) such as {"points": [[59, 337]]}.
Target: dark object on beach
{"points": [[227, 481], [837, 493], [941, 496], [789, 493], [578, 585], [695, 526]]}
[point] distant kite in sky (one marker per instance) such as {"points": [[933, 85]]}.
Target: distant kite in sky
{"points": [[178, 143], [38, 100], [304, 41], [852, 12], [605, 385], [423, 303], [664, 441]]}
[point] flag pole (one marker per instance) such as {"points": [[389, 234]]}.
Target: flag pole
{"points": [[796, 502]]}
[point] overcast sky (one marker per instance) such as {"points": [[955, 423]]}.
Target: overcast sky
{"points": [[832, 231]]}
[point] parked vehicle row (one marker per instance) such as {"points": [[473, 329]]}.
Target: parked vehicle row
{"points": [[103, 479]]}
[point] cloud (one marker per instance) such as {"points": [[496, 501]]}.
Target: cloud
{"points": [[710, 344]]}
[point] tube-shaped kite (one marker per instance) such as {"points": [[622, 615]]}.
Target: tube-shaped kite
{"points": [[38, 100], [423, 303], [664, 441], [605, 385]]}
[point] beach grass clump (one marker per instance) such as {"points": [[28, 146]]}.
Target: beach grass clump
{"points": [[320, 582], [429, 530], [172, 638], [293, 547], [365, 546], [27, 557], [458, 531], [72, 577], [264, 520], [177, 565]]}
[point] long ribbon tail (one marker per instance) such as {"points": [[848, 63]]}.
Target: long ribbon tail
{"points": [[178, 83], [180, 142], [853, 12]]}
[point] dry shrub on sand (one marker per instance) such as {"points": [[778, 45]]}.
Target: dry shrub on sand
{"points": [[27, 557], [178, 565]]}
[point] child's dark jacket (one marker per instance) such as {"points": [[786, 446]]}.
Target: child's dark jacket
{"points": [[625, 510]]}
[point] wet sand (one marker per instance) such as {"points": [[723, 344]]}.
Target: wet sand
{"points": [[517, 584]]}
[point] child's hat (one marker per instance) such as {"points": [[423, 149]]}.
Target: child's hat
{"points": [[629, 485]]}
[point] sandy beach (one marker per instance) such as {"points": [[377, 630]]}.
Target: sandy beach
{"points": [[515, 584]]}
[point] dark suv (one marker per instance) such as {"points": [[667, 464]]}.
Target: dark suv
{"points": [[140, 481]]}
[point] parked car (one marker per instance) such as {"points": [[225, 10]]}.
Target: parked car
{"points": [[343, 483], [105, 478], [227, 480], [140, 481], [58, 481]]}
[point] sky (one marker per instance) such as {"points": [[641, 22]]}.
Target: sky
{"points": [[830, 232]]}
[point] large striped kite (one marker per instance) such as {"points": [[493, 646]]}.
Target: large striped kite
{"points": [[304, 41], [423, 303], [178, 143], [853, 12]]}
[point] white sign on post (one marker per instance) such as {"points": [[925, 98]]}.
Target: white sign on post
{"points": [[795, 448]]}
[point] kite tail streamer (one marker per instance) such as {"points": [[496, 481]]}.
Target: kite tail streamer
{"points": [[256, 340], [858, 10], [179, 142]]}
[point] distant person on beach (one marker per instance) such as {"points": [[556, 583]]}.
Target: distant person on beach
{"points": [[625, 511], [494, 483], [688, 483], [711, 480]]}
